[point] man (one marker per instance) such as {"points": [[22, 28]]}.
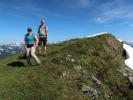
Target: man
{"points": [[42, 35], [31, 43]]}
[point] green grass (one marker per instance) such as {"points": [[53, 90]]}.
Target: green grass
{"points": [[100, 56]]}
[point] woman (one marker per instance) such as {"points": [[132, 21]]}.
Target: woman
{"points": [[43, 35], [31, 42]]}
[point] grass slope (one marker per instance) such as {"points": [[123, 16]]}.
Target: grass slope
{"points": [[64, 71]]}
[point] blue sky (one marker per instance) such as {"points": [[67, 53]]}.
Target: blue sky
{"points": [[66, 19]]}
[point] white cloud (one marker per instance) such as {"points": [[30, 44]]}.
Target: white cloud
{"points": [[109, 12]]}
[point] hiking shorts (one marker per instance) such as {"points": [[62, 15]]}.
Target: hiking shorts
{"points": [[29, 45], [42, 41]]}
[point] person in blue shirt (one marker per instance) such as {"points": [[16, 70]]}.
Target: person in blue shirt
{"points": [[31, 42]]}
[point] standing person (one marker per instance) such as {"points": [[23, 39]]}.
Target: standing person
{"points": [[31, 43], [43, 36]]}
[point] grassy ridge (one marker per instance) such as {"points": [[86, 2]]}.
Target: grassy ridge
{"points": [[64, 71]]}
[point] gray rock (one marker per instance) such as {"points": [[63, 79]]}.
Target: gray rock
{"points": [[131, 79], [93, 92], [95, 80], [69, 58], [72, 60], [130, 82], [128, 73]]}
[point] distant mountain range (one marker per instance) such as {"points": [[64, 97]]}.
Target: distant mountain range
{"points": [[9, 49], [130, 43]]}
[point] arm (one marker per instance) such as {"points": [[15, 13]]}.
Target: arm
{"points": [[46, 33], [36, 41], [25, 41]]}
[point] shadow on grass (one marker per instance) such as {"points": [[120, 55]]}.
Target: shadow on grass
{"points": [[16, 64]]}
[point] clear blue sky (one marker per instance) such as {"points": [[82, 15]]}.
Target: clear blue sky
{"points": [[66, 19]]}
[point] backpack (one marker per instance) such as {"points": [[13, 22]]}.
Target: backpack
{"points": [[30, 39], [42, 30]]}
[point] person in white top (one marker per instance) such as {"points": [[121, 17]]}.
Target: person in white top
{"points": [[43, 36]]}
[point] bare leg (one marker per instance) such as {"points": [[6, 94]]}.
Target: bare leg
{"points": [[34, 55], [28, 50]]}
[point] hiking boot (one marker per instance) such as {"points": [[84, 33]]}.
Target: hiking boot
{"points": [[29, 65], [39, 63]]}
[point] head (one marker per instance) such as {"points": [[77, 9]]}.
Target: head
{"points": [[29, 30], [42, 22]]}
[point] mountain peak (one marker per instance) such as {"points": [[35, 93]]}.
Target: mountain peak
{"points": [[98, 34]]}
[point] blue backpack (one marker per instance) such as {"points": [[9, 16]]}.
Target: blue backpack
{"points": [[30, 39]]}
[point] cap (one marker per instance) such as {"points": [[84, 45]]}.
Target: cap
{"points": [[29, 29]]}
